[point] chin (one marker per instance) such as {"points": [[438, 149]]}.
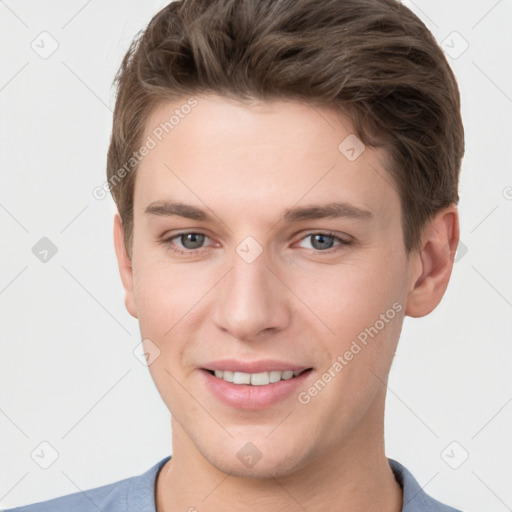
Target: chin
{"points": [[261, 470], [260, 459]]}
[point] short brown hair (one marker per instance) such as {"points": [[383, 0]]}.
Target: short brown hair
{"points": [[373, 59]]}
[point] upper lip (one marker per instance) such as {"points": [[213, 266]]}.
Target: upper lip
{"points": [[263, 365]]}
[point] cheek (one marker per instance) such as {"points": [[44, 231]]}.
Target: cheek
{"points": [[165, 297], [362, 304], [349, 297], [164, 293]]}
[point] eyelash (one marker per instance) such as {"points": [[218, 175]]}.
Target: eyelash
{"points": [[192, 252]]}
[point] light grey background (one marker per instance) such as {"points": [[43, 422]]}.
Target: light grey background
{"points": [[69, 375]]}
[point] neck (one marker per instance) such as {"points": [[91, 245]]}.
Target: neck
{"points": [[354, 476]]}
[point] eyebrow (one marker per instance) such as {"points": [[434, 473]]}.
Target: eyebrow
{"points": [[169, 208], [329, 210], [296, 214]]}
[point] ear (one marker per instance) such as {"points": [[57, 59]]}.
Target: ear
{"points": [[434, 262], [124, 263]]}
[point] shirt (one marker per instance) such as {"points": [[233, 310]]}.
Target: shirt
{"points": [[137, 494]]}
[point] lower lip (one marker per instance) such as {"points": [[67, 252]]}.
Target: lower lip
{"points": [[248, 397]]}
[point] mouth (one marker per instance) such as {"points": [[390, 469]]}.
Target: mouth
{"points": [[256, 391], [256, 379]]}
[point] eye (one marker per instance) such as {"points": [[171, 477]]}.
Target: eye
{"points": [[322, 242], [192, 240], [186, 242]]}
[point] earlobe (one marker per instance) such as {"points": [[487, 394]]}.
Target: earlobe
{"points": [[124, 263], [435, 257]]}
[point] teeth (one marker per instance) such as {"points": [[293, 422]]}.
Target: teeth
{"points": [[275, 376], [260, 379], [256, 379], [228, 376], [241, 378]]}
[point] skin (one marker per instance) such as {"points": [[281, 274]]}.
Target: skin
{"points": [[246, 165]]}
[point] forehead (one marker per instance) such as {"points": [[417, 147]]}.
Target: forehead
{"points": [[216, 123], [262, 156]]}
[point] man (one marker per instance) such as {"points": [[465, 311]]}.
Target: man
{"points": [[286, 179]]}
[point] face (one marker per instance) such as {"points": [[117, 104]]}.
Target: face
{"points": [[266, 241]]}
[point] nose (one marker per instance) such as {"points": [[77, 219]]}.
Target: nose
{"points": [[251, 301]]}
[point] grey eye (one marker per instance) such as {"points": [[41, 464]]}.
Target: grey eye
{"points": [[320, 241], [192, 240]]}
